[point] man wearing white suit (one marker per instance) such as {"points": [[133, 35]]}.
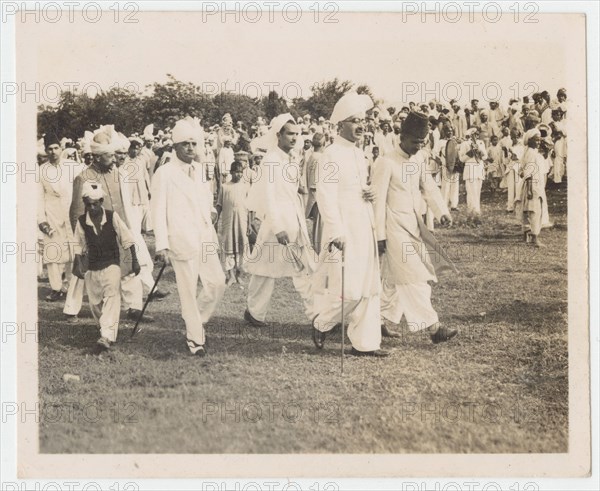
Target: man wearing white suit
{"points": [[185, 236]]}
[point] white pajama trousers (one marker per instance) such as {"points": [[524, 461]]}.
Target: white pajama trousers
{"points": [[131, 292], [55, 272], [363, 316], [474, 196], [103, 289], [411, 300], [197, 309], [450, 187], [260, 290]]}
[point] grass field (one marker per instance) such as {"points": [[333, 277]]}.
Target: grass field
{"points": [[500, 386]]}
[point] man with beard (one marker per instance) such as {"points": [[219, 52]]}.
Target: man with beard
{"points": [[181, 207], [109, 149], [344, 201], [408, 264]]}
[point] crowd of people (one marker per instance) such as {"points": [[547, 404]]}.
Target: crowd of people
{"points": [[345, 207]]}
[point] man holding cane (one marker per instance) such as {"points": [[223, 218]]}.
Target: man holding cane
{"points": [[344, 201]]}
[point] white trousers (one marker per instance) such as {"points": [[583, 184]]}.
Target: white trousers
{"points": [[131, 292], [197, 309], [55, 272], [450, 185], [474, 196], [260, 290], [411, 300], [105, 299], [363, 316]]}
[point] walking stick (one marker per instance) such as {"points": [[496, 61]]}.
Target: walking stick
{"points": [[343, 327], [135, 328]]}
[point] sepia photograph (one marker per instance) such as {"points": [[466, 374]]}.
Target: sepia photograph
{"points": [[326, 239]]}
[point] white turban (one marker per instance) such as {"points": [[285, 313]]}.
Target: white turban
{"points": [[104, 140], [268, 141], [188, 129], [92, 190], [122, 143], [530, 134], [351, 104], [149, 132]]}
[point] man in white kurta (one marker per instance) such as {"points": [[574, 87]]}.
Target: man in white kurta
{"points": [[406, 267], [283, 246], [344, 201], [185, 237], [54, 199]]}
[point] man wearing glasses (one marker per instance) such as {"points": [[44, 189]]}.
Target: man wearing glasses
{"points": [[345, 203]]}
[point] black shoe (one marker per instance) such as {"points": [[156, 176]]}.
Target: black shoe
{"points": [[134, 314], [388, 333], [158, 294], [71, 319], [378, 353], [318, 336], [251, 320], [442, 335], [196, 349], [453, 209], [53, 296]]}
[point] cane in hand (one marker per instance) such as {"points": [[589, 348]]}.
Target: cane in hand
{"points": [[137, 322], [343, 326]]}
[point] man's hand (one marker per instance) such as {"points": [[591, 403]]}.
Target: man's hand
{"points": [[214, 216], [302, 190], [282, 238], [339, 243], [446, 220], [135, 267], [368, 194], [163, 255], [381, 246], [45, 228]]}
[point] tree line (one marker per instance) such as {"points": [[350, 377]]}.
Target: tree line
{"points": [[164, 103]]}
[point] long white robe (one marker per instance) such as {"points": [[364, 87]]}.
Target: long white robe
{"points": [[283, 211], [400, 183]]}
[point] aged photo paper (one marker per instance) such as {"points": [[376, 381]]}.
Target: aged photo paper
{"points": [[503, 390]]}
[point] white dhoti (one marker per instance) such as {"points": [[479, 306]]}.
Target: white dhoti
{"points": [[260, 290], [411, 300], [105, 300], [198, 309]]}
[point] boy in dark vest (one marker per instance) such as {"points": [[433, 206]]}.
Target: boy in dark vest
{"points": [[98, 235]]}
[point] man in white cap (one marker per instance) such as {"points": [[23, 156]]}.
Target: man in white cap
{"points": [[181, 207], [344, 199], [99, 234], [282, 247], [408, 249]]}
